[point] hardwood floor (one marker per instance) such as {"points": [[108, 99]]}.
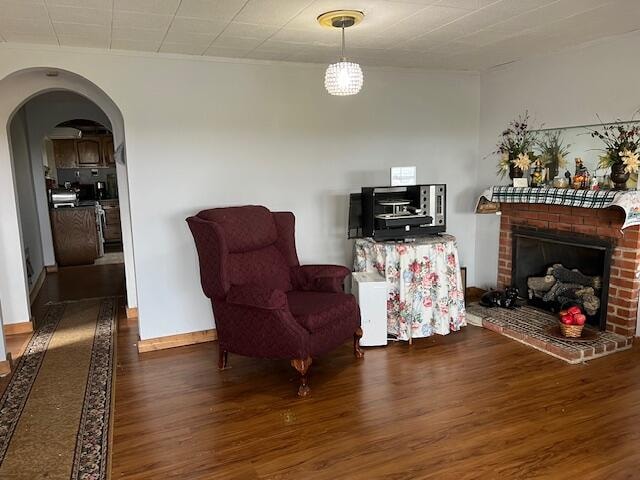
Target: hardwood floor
{"points": [[15, 343], [75, 283], [470, 405]]}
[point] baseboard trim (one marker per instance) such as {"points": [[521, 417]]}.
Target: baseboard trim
{"points": [[18, 328], [51, 268], [5, 366], [132, 312], [180, 340], [35, 289]]}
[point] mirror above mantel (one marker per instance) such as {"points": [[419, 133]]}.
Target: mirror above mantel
{"points": [[579, 143]]}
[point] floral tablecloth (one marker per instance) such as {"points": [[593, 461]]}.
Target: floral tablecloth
{"points": [[425, 287]]}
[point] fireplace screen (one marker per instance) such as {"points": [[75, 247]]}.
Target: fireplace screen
{"points": [[554, 270]]}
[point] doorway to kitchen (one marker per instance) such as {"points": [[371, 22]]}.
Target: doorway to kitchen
{"points": [[64, 190], [64, 142]]}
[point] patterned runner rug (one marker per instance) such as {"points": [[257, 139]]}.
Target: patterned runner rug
{"points": [[55, 415]]}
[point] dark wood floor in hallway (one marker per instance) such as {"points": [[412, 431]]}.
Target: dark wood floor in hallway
{"points": [[469, 405]]}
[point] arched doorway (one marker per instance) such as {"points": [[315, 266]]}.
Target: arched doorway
{"points": [[15, 90]]}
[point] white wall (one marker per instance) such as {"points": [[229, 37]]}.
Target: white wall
{"points": [[28, 210], [561, 89], [204, 133], [42, 114]]}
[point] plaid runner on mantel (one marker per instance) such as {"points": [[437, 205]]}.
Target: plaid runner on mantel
{"points": [[553, 196], [628, 200]]}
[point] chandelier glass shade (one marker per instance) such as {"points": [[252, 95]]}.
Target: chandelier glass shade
{"points": [[343, 78]]}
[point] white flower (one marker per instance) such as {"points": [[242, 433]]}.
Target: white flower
{"points": [[562, 162], [630, 160], [522, 162], [503, 164]]}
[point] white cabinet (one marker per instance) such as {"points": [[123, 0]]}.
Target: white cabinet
{"points": [[370, 290]]}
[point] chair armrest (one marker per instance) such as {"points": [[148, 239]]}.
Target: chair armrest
{"points": [[320, 278], [257, 296], [260, 332]]}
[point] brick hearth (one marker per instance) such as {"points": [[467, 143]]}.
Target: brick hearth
{"points": [[531, 326], [622, 310]]}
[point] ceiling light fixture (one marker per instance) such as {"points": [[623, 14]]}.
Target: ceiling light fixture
{"points": [[344, 77]]}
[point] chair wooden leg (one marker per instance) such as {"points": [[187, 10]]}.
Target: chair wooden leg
{"points": [[302, 366], [223, 356], [357, 351]]}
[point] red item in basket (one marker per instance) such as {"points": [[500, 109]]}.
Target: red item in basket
{"points": [[567, 319], [579, 319], [574, 310]]}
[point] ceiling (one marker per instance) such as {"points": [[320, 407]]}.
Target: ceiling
{"points": [[441, 34]]}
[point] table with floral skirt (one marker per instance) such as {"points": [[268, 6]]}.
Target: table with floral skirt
{"points": [[425, 291]]}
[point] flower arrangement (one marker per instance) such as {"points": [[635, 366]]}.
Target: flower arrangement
{"points": [[621, 145], [514, 146], [553, 151], [621, 142]]}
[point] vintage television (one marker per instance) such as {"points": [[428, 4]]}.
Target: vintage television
{"points": [[397, 213]]}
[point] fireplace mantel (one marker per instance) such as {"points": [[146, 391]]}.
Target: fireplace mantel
{"points": [[628, 201], [624, 285]]}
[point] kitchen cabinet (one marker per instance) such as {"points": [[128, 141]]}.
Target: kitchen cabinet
{"points": [[87, 152], [112, 230], [107, 151], [65, 153]]}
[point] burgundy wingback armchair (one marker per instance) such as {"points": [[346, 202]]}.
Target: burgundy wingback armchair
{"points": [[265, 303]]}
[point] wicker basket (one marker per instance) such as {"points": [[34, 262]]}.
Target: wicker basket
{"points": [[571, 331]]}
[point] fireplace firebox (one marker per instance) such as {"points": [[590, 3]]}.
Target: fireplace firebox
{"points": [[538, 254], [572, 223]]}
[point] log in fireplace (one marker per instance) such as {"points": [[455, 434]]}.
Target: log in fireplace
{"points": [[555, 269]]}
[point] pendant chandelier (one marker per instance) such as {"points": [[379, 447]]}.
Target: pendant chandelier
{"points": [[344, 77]]}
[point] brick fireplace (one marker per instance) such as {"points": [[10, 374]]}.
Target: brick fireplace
{"points": [[624, 286]]}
